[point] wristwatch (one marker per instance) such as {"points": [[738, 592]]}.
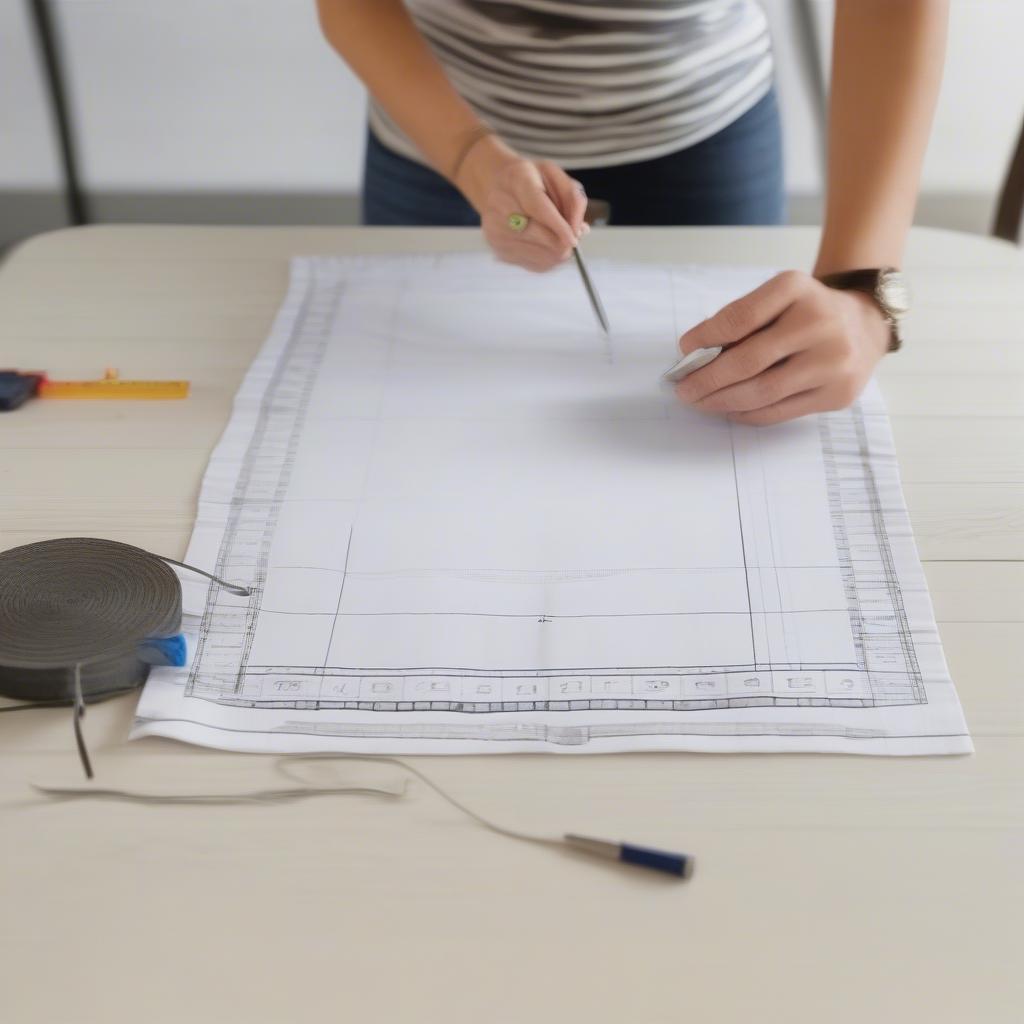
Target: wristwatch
{"points": [[886, 285]]}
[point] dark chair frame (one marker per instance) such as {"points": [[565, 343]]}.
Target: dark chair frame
{"points": [[42, 17], [1010, 207]]}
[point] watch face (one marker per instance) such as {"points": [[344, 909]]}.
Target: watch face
{"points": [[892, 292]]}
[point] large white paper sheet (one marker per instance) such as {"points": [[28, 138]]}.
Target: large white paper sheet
{"points": [[472, 526]]}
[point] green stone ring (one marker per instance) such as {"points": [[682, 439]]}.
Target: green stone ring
{"points": [[518, 221]]}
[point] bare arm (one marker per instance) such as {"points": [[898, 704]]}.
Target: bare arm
{"points": [[794, 346], [381, 43], [887, 62]]}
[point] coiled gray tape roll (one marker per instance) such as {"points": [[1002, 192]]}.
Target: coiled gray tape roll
{"points": [[81, 601]]}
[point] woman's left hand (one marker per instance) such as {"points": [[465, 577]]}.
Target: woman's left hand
{"points": [[793, 346]]}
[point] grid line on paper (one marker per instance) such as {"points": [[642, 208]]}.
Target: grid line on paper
{"points": [[341, 594], [260, 486], [858, 518], [743, 544], [892, 583], [261, 489]]}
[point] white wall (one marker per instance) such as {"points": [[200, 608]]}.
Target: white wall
{"points": [[244, 96], [982, 98], [211, 94], [27, 153]]}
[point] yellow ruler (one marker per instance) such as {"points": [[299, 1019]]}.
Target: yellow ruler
{"points": [[111, 386]]}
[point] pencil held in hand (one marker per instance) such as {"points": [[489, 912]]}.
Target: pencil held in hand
{"points": [[691, 362]]}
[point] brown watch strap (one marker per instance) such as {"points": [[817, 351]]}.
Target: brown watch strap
{"points": [[854, 280]]}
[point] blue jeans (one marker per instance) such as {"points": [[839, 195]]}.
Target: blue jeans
{"points": [[734, 177]]}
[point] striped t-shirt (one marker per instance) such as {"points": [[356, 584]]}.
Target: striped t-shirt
{"points": [[593, 83]]}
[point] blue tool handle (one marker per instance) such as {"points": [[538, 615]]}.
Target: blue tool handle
{"points": [[678, 864], [165, 650], [16, 388]]}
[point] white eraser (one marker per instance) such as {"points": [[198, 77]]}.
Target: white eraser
{"points": [[694, 361]]}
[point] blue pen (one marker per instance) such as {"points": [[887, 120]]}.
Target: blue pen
{"points": [[678, 864]]}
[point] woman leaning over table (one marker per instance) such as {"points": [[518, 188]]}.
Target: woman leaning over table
{"points": [[506, 113]]}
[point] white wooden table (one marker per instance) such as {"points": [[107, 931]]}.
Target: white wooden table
{"points": [[828, 889]]}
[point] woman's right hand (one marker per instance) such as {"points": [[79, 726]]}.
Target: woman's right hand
{"points": [[499, 182]]}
